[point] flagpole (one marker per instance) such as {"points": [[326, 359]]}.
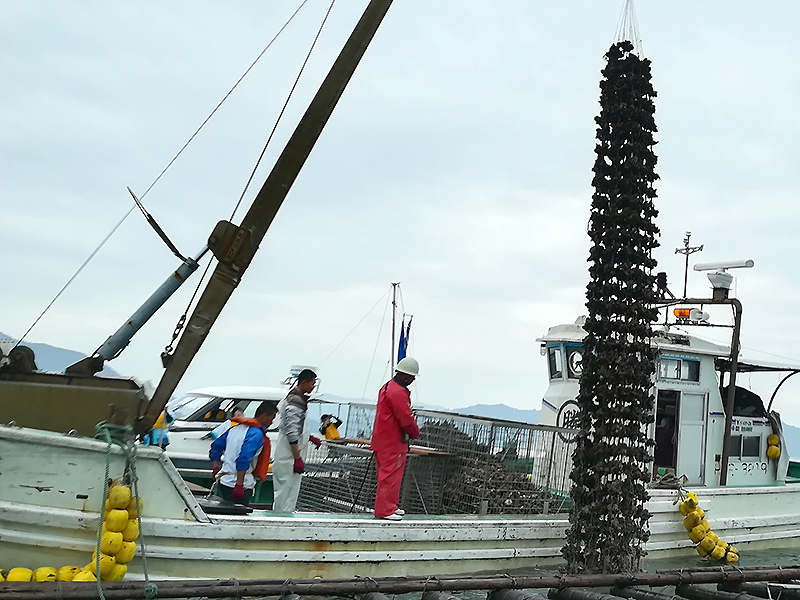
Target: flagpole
{"points": [[394, 317]]}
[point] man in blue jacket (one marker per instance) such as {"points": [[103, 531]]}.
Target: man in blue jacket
{"points": [[239, 451]]}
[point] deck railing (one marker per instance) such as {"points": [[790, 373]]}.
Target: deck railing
{"points": [[461, 464]]}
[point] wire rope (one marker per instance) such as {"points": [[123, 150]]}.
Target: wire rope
{"points": [[375, 350], [628, 27], [182, 318], [285, 104], [160, 175], [352, 330]]}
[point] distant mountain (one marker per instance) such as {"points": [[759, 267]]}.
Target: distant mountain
{"points": [[491, 411], [501, 411], [51, 358]]}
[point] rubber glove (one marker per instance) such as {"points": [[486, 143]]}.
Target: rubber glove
{"points": [[215, 471], [238, 492], [315, 440], [299, 466]]}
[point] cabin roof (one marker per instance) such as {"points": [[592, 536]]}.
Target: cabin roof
{"points": [[670, 341]]}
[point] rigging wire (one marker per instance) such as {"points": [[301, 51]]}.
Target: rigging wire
{"points": [[235, 85], [182, 318], [352, 330], [278, 120], [727, 342], [628, 27], [160, 175], [375, 350]]}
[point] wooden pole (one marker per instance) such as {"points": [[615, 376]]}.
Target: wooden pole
{"points": [[215, 588]]}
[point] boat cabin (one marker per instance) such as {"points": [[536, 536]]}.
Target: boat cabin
{"points": [[689, 424]]}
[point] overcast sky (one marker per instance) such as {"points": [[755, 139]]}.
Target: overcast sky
{"points": [[458, 163]]}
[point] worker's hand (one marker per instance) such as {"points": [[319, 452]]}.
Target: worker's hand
{"points": [[315, 440], [215, 471], [238, 492], [299, 466]]}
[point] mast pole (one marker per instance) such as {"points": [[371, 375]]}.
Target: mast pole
{"points": [[394, 317], [235, 246], [686, 251]]}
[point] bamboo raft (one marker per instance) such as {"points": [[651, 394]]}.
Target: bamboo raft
{"points": [[734, 583]]}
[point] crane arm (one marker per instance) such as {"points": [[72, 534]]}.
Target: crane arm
{"points": [[234, 246]]}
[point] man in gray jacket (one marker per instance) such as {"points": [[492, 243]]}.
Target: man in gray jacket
{"points": [[288, 463]]}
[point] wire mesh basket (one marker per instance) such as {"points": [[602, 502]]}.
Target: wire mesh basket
{"points": [[460, 464]]}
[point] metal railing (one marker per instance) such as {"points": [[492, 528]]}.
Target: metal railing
{"points": [[460, 464]]}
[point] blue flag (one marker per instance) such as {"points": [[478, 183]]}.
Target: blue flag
{"points": [[405, 333]]}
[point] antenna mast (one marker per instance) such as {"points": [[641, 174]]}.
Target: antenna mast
{"points": [[394, 316], [686, 251]]}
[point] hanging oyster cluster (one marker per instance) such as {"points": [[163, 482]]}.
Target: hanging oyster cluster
{"points": [[608, 521]]}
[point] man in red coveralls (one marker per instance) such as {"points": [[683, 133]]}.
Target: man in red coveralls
{"points": [[394, 425]]}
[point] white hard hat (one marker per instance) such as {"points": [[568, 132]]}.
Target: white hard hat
{"points": [[408, 365]]}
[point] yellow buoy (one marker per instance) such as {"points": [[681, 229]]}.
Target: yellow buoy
{"points": [[132, 508], [44, 574], [67, 573], [700, 512], [697, 534], [733, 549], [119, 496], [691, 521], [773, 452], [774, 439], [111, 542], [116, 574], [701, 551], [106, 563], [126, 554], [716, 553], [19, 574], [708, 544], [706, 525], [131, 531], [732, 557], [713, 536], [685, 510], [722, 544], [85, 576], [691, 502], [2, 575], [116, 520]]}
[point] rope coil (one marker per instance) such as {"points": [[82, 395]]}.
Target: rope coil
{"points": [[122, 436]]}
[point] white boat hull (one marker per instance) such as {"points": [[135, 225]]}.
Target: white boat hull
{"points": [[51, 490]]}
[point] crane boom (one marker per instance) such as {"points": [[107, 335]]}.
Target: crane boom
{"points": [[234, 246]]}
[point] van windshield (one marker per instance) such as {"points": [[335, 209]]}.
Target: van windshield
{"points": [[187, 405]]}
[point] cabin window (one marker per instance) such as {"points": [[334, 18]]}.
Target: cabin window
{"points": [[745, 446], [681, 369], [556, 362], [690, 370], [669, 368]]}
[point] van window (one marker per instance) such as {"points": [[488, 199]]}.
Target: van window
{"points": [[187, 405]]}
